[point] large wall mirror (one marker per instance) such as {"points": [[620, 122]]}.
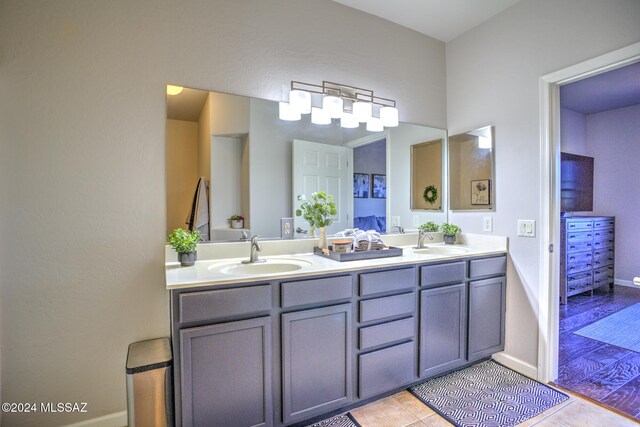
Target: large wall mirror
{"points": [[254, 165], [471, 170]]}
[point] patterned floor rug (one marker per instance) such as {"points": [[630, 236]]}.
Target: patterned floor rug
{"points": [[487, 395], [344, 420], [620, 329]]}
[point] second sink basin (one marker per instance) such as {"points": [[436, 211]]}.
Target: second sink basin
{"points": [[442, 250], [271, 266]]}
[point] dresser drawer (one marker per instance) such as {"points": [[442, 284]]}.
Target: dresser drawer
{"points": [[579, 261], [385, 333], [385, 281], [384, 370], [212, 305], [602, 257], [381, 308], [579, 246], [605, 243], [316, 291], [603, 234], [579, 225], [583, 236], [603, 273], [487, 267], [579, 282], [604, 223], [434, 275]]}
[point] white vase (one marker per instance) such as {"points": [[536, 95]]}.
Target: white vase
{"points": [[312, 232], [237, 223], [323, 238]]}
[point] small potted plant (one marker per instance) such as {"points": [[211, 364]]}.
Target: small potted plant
{"points": [[236, 221], [185, 243], [430, 227], [449, 231], [319, 212]]}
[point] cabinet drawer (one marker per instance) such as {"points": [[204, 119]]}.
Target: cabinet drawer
{"points": [[381, 308], [604, 234], [579, 225], [212, 305], [487, 267], [603, 273], [579, 261], [433, 275], [604, 223], [385, 333], [384, 370], [602, 257], [585, 236], [316, 291], [605, 243], [579, 246], [579, 282], [385, 281]]}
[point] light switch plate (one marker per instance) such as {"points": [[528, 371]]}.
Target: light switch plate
{"points": [[395, 220], [416, 221], [487, 224], [526, 228]]}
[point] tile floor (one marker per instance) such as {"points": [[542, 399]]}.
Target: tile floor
{"points": [[600, 371], [405, 410]]}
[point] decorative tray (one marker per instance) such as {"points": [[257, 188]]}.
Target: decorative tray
{"points": [[391, 251]]}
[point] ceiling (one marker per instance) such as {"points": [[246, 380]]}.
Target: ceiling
{"points": [[607, 91], [441, 19], [187, 105]]}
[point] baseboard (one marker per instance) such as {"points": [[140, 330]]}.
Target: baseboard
{"points": [[516, 364], [621, 282], [117, 419]]}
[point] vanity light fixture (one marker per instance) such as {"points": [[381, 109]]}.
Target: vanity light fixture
{"points": [[174, 90], [352, 105]]}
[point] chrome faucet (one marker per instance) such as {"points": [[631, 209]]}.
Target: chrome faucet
{"points": [[421, 235], [255, 248], [244, 236], [400, 229]]}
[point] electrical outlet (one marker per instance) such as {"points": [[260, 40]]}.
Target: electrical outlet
{"points": [[416, 221], [527, 228], [487, 224], [395, 221]]}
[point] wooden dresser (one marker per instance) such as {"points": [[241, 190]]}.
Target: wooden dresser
{"points": [[588, 254]]}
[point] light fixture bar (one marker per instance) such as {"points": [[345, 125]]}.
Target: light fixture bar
{"points": [[352, 93]]}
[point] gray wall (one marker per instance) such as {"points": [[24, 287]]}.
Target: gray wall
{"points": [[493, 74], [82, 108]]}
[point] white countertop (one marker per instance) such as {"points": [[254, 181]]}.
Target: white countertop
{"points": [[208, 272]]}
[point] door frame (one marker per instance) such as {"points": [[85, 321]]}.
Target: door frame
{"points": [[549, 296]]}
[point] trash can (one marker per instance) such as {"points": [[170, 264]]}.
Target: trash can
{"points": [[150, 383]]}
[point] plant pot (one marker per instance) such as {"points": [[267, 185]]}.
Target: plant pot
{"points": [[187, 259], [323, 238], [237, 223], [449, 240]]}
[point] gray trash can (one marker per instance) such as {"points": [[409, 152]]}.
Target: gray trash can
{"points": [[150, 384]]}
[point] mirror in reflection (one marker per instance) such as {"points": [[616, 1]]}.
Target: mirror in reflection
{"points": [[471, 170], [426, 175]]}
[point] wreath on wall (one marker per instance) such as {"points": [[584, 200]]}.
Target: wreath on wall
{"points": [[430, 194]]}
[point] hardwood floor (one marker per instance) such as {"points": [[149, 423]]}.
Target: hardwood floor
{"points": [[600, 371]]}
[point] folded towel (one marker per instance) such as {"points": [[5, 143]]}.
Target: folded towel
{"points": [[368, 241], [198, 218]]}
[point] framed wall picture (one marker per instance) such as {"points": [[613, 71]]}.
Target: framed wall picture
{"points": [[378, 186], [481, 192], [361, 185]]}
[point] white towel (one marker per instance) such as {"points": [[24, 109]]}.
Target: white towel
{"points": [[198, 218]]}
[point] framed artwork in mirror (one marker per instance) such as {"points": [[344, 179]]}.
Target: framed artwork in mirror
{"points": [[361, 185], [378, 186], [481, 192]]}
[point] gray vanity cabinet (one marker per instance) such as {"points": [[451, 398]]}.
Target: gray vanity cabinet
{"points": [[443, 329], [486, 317], [226, 374], [317, 359]]}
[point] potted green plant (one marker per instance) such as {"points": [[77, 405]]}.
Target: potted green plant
{"points": [[318, 212], [450, 231], [185, 244], [236, 221], [430, 227]]}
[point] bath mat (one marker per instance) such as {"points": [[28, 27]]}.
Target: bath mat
{"points": [[344, 420], [487, 395], [619, 329]]}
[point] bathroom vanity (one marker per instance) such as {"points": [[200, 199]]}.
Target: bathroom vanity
{"points": [[281, 348]]}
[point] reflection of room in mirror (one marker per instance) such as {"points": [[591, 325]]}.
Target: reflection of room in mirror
{"points": [[426, 175], [370, 212]]}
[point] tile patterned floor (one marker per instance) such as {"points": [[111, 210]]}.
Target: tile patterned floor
{"points": [[600, 371], [405, 410]]}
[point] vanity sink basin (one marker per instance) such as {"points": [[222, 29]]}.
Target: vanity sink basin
{"points": [[271, 266], [442, 250]]}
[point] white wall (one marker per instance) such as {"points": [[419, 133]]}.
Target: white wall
{"points": [[493, 74], [613, 139], [573, 132], [82, 120]]}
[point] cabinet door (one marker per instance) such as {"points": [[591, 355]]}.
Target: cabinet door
{"points": [[316, 361], [443, 329], [486, 317], [226, 374]]}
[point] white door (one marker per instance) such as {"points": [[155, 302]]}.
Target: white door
{"points": [[328, 168]]}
